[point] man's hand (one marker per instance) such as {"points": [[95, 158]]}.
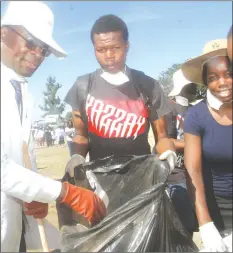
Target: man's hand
{"points": [[171, 157], [36, 209], [74, 162], [164, 145], [80, 199], [211, 238], [84, 202]]}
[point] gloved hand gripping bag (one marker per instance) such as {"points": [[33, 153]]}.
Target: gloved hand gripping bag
{"points": [[140, 216]]}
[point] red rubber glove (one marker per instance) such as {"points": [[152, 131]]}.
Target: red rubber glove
{"points": [[84, 202], [36, 209]]}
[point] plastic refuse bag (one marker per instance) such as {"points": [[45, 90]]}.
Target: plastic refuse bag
{"points": [[140, 214]]}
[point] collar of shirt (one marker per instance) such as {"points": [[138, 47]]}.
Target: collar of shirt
{"points": [[8, 75], [11, 75]]}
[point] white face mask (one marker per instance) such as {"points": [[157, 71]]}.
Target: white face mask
{"points": [[213, 102], [181, 101], [116, 78]]}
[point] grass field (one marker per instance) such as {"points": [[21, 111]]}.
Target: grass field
{"points": [[51, 162]]}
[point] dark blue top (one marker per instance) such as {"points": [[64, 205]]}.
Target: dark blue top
{"points": [[216, 148]]}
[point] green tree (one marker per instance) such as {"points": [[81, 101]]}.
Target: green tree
{"points": [[166, 81], [68, 116], [165, 78], [52, 103], [201, 92]]}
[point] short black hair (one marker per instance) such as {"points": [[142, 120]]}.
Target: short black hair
{"points": [[229, 35], [109, 23]]}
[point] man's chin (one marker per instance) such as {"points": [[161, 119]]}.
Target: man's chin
{"points": [[26, 72], [109, 70], [112, 69]]}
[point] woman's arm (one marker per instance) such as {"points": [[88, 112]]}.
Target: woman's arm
{"points": [[193, 163]]}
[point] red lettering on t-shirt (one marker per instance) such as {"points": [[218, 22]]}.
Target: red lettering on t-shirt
{"points": [[116, 119]]}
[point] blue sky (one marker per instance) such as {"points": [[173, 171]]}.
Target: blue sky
{"points": [[161, 33]]}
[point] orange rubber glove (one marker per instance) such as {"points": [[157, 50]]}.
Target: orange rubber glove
{"points": [[36, 209], [84, 202]]}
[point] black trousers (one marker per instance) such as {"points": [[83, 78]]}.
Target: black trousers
{"points": [[221, 212], [225, 206]]}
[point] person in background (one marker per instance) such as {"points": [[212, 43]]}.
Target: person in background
{"points": [[229, 44], [208, 143], [53, 136], [40, 137], [48, 136], [70, 133], [33, 132], [57, 134], [26, 40], [61, 138], [182, 94]]}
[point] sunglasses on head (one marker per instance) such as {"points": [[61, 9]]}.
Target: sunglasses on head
{"points": [[32, 43]]}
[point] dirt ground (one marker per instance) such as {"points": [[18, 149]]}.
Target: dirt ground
{"points": [[51, 162]]}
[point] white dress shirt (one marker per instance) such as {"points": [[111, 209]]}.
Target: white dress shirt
{"points": [[18, 183]]}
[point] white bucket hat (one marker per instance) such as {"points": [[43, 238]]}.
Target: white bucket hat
{"points": [[37, 19], [179, 81]]}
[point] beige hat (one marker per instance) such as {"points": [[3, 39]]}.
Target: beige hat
{"points": [[37, 19], [179, 81], [193, 68]]}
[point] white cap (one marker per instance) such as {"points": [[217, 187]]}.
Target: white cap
{"points": [[37, 19], [179, 81]]}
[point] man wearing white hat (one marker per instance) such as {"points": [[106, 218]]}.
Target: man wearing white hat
{"points": [[182, 94], [26, 39]]}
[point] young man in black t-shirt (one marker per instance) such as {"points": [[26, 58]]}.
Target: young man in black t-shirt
{"points": [[118, 118]]}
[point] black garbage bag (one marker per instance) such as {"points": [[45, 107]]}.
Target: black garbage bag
{"points": [[140, 216]]}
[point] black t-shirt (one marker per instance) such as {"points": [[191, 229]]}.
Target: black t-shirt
{"points": [[175, 128], [175, 120], [118, 121]]}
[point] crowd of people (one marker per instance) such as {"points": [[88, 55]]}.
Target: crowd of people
{"points": [[112, 110], [49, 135]]}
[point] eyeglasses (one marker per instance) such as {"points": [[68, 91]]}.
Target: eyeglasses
{"points": [[32, 43]]}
